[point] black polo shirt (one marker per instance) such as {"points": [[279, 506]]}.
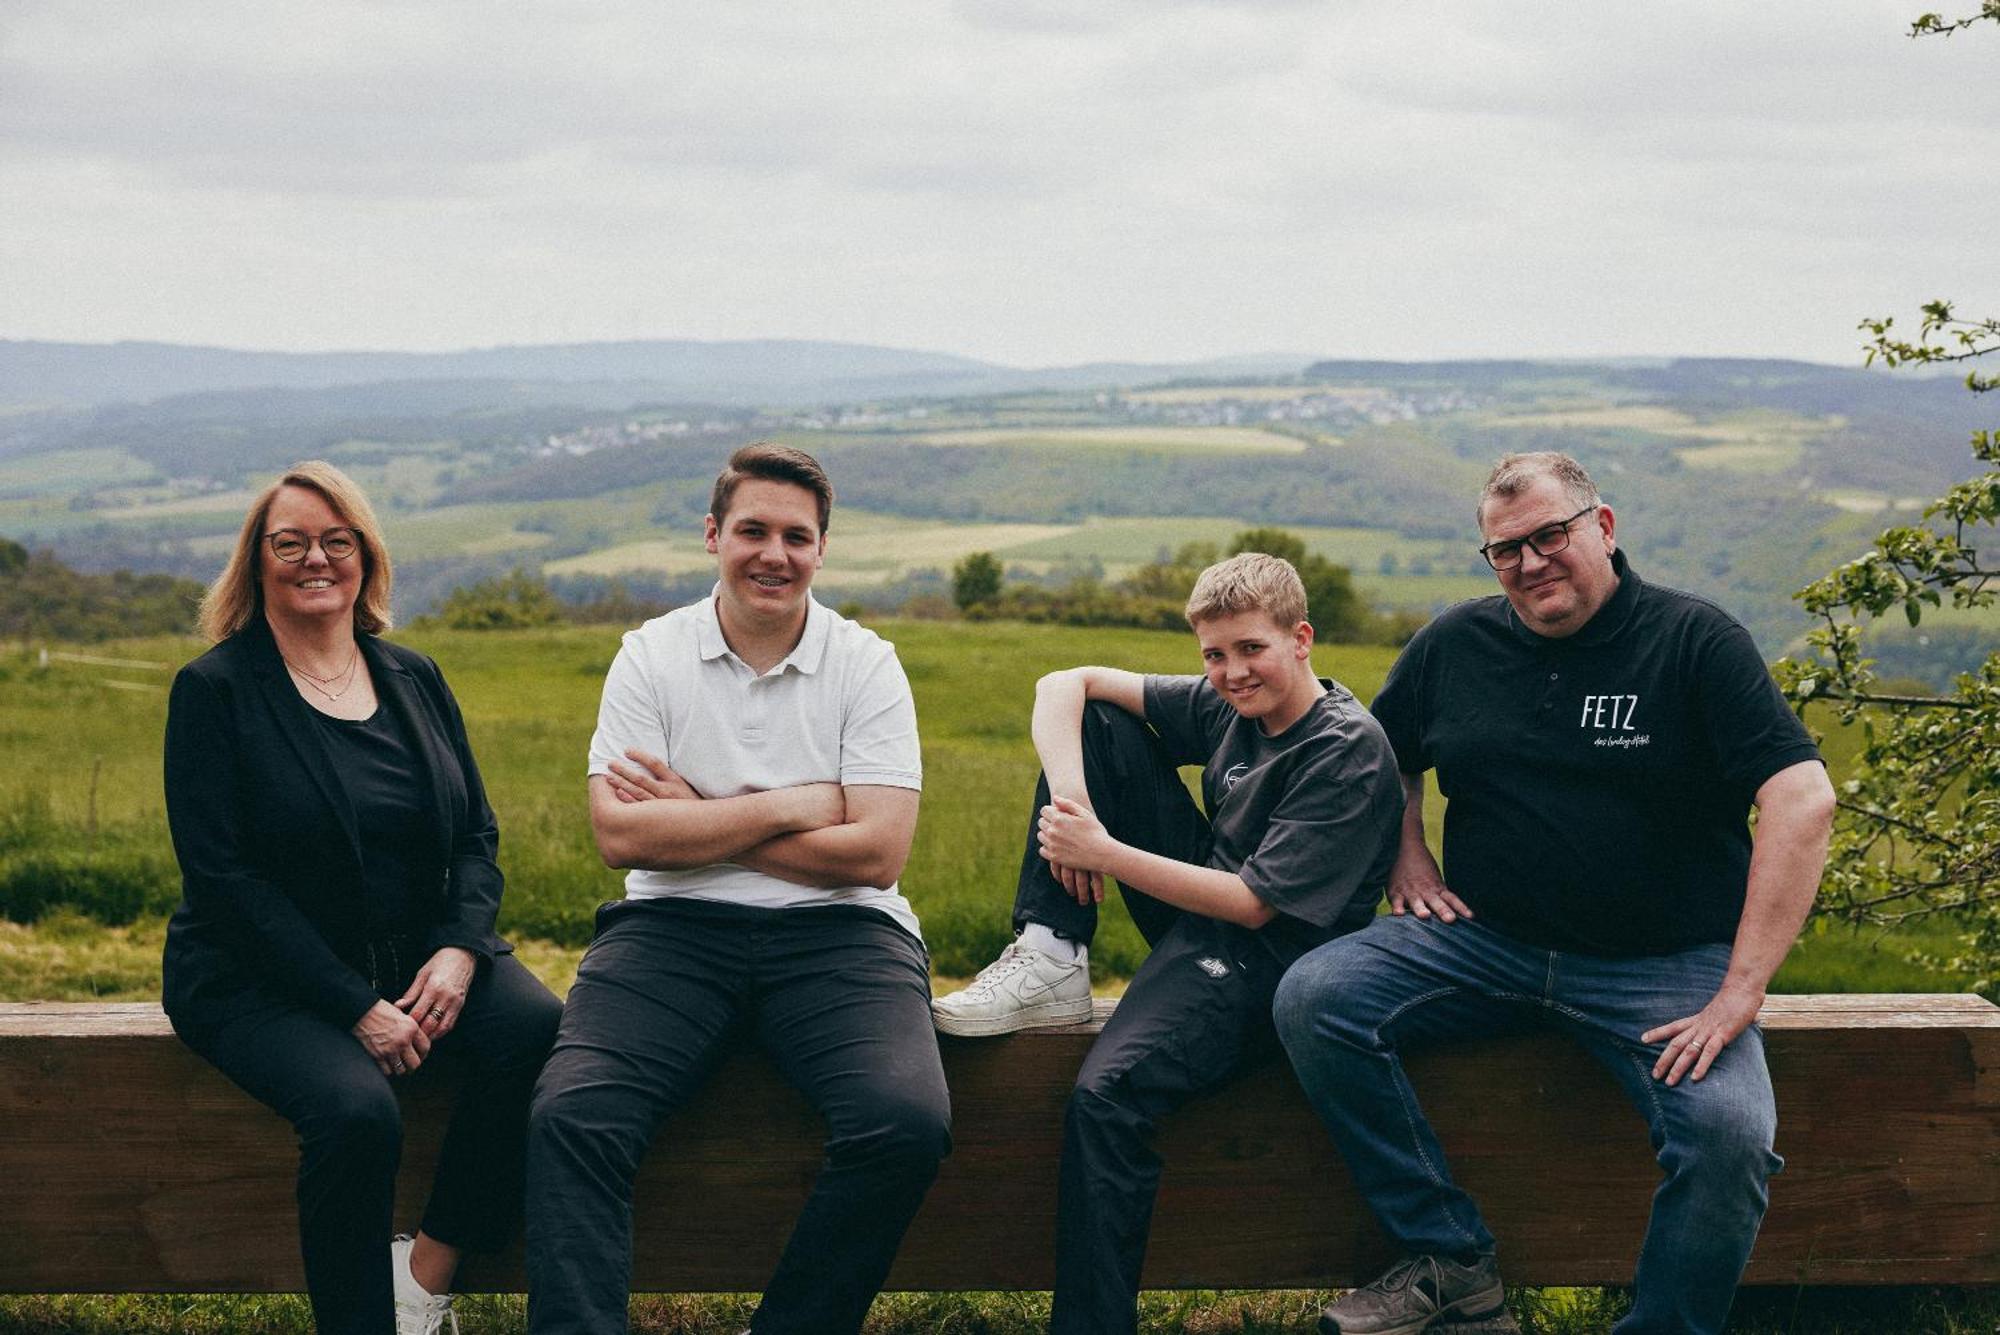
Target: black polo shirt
{"points": [[1598, 786]]}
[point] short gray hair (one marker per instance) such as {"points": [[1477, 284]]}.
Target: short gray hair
{"points": [[1515, 473]]}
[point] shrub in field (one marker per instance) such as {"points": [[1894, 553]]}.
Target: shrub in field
{"points": [[113, 886], [41, 598], [516, 601]]}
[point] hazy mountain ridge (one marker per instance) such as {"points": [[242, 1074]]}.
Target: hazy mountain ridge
{"points": [[60, 375]]}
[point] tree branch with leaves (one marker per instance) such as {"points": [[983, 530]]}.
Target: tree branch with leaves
{"points": [[1918, 830]]}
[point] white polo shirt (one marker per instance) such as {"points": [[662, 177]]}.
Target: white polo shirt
{"points": [[837, 709]]}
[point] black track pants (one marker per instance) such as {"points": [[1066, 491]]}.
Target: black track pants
{"points": [[1196, 1015]]}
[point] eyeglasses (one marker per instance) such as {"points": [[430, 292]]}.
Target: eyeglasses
{"points": [[1546, 541], [291, 546]]}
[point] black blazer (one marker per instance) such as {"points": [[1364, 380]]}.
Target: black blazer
{"points": [[269, 853]]}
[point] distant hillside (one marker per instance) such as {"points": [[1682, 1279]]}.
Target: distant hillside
{"points": [[1738, 479], [612, 375], [78, 373]]}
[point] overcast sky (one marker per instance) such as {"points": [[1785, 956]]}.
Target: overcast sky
{"points": [[1026, 181]]}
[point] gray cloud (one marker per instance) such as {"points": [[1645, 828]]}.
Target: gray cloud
{"points": [[1026, 180]]}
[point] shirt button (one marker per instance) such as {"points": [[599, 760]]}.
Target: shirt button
{"points": [[1555, 676]]}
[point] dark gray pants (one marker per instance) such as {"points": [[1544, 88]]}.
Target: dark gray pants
{"points": [[319, 1078], [839, 997], [1195, 1016]]}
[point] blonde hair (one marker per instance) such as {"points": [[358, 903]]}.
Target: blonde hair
{"points": [[237, 597], [1249, 582]]}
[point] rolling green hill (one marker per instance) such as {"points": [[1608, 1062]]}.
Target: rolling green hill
{"points": [[1739, 480]]}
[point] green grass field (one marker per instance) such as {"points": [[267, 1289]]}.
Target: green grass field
{"points": [[1153, 439], [866, 547], [81, 806], [82, 818], [70, 471], [530, 700]]}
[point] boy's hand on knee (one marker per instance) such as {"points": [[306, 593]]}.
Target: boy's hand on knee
{"points": [[1085, 887], [1072, 838]]}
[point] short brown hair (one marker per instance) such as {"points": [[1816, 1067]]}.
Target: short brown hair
{"points": [[1249, 582], [1515, 473], [237, 597], [769, 460]]}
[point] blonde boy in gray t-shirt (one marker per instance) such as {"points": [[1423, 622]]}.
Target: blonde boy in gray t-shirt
{"points": [[1303, 806]]}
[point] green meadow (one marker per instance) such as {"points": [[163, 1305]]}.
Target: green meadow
{"points": [[86, 875], [85, 860]]}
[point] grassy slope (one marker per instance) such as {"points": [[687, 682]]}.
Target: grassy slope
{"points": [[530, 698]]}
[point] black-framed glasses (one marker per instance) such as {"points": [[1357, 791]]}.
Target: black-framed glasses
{"points": [[291, 546], [1547, 541]]}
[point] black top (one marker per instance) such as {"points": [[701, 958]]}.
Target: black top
{"points": [[1598, 786], [269, 839], [380, 770], [1307, 818]]}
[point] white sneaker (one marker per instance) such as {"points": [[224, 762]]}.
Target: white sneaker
{"points": [[1023, 989], [418, 1310]]}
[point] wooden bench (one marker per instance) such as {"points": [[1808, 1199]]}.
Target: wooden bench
{"points": [[126, 1164]]}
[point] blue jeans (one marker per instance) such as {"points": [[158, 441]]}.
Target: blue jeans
{"points": [[1345, 1011]]}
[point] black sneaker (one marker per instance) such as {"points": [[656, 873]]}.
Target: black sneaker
{"points": [[1420, 1293]]}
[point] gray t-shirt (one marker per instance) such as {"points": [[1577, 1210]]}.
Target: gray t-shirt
{"points": [[1308, 818]]}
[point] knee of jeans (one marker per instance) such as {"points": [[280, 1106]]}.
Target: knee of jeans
{"points": [[1730, 1141], [356, 1123], [1303, 1008]]}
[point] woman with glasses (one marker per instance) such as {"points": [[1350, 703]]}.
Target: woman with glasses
{"points": [[339, 890]]}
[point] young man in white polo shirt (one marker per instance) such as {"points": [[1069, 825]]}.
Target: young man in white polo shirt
{"points": [[756, 767]]}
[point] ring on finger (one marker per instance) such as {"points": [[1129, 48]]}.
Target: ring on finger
{"points": [[397, 1067]]}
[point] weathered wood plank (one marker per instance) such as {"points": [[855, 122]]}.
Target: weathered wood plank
{"points": [[128, 1164]]}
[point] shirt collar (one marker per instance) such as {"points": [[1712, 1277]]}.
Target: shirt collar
{"points": [[806, 655]]}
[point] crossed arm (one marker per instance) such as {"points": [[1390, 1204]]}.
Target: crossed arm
{"points": [[1079, 850], [824, 835]]}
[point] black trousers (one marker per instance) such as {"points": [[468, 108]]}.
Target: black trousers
{"points": [[1196, 1015], [319, 1078], [840, 999]]}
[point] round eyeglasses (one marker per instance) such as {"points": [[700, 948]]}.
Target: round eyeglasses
{"points": [[1547, 541], [291, 546]]}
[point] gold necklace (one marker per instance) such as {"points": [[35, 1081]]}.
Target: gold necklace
{"points": [[321, 684]]}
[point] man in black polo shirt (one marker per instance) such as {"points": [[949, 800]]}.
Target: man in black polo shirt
{"points": [[1599, 742]]}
